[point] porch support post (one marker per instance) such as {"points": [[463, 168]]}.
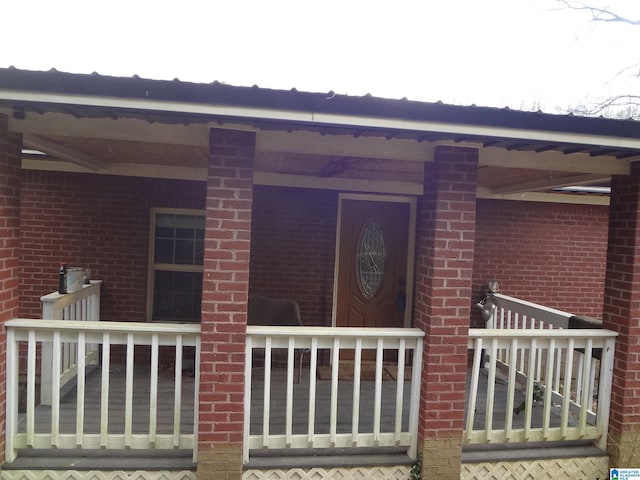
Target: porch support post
{"points": [[445, 247], [10, 154], [224, 304], [622, 314]]}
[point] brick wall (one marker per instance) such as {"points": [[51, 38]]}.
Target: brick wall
{"points": [[95, 221], [543, 252], [293, 248], [548, 253]]}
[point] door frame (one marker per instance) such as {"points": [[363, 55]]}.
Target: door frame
{"points": [[411, 244]]}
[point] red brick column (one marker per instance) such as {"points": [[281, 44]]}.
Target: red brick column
{"points": [[445, 246], [10, 152], [622, 314], [224, 304]]}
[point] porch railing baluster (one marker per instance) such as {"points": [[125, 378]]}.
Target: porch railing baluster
{"points": [[72, 306], [153, 390], [333, 416], [289, 399], [31, 387], [128, 394], [400, 388], [511, 391], [70, 422], [377, 406], [548, 380], [13, 369], [551, 368], [473, 393], [104, 389], [266, 412], [80, 394], [491, 386], [177, 391], [585, 399], [55, 389], [313, 373], [355, 415], [346, 423], [566, 399]]}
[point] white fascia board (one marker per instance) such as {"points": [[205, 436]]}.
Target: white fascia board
{"points": [[316, 118]]}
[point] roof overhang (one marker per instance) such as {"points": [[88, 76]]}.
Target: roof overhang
{"points": [[49, 107]]}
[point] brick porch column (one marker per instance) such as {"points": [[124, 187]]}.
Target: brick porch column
{"points": [[622, 314], [445, 243], [224, 303], [10, 153]]}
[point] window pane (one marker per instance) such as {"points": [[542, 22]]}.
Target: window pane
{"points": [[199, 253], [177, 239], [184, 252], [177, 296], [163, 251]]}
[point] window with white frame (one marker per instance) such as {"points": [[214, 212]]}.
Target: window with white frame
{"points": [[175, 265]]}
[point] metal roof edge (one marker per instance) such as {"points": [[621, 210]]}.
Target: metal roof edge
{"points": [[317, 108]]}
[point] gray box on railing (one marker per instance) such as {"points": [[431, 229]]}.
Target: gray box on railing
{"points": [[75, 279]]}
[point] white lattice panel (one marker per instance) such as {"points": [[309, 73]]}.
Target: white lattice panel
{"points": [[587, 468], [344, 473], [95, 475]]}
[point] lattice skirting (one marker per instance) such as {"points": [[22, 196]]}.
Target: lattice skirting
{"points": [[339, 473], [587, 468], [96, 475]]}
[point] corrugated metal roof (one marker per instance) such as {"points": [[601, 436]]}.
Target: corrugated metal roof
{"points": [[216, 93]]}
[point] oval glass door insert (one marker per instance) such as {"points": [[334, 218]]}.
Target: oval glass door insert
{"points": [[371, 257]]}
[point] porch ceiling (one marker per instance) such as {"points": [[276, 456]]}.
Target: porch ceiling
{"points": [[180, 150], [101, 124]]}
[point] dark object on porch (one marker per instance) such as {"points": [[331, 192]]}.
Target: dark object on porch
{"points": [[263, 310], [278, 312], [582, 322]]}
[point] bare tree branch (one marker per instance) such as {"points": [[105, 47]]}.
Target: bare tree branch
{"points": [[599, 14], [618, 106]]}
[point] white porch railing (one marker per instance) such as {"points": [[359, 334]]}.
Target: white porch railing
{"points": [[81, 306], [127, 349], [346, 419], [557, 381]]}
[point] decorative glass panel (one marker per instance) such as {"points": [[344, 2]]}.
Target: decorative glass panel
{"points": [[371, 258]]}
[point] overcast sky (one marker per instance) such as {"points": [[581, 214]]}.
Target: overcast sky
{"points": [[518, 53]]}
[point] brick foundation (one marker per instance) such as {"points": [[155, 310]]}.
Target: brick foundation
{"points": [[442, 457], [219, 461]]}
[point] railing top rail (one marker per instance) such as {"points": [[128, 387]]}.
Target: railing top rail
{"points": [[535, 310], [299, 331], [540, 333], [68, 298], [119, 327]]}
